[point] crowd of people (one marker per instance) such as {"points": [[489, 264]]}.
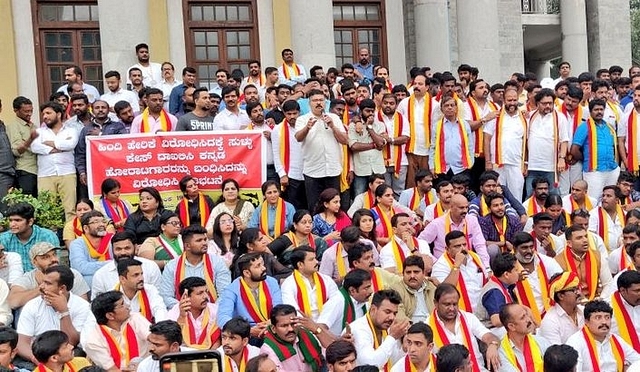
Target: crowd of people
{"points": [[448, 224]]}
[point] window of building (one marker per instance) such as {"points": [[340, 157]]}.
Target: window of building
{"points": [[67, 33], [359, 24], [220, 34]]}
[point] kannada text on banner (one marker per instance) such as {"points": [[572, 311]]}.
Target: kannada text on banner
{"points": [[161, 160]]}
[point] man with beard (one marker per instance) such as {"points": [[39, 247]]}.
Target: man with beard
{"points": [[628, 197], [151, 71], [504, 144], [367, 138], [498, 227], [101, 125], [619, 260], [350, 97], [175, 98], [536, 271], [73, 75], [250, 94], [547, 141], [154, 118], [364, 65], [444, 191], [43, 255], [231, 117], [402, 244], [594, 144], [294, 343], [586, 263], [196, 315], [106, 277], [135, 83], [607, 220], [54, 148], [164, 337], [575, 115], [120, 335], [341, 356], [397, 131], [290, 72], [250, 296], [350, 305], [255, 77], [488, 181], [361, 256], [535, 204], [544, 241], [496, 92], [56, 308], [564, 318], [53, 352], [81, 114], [235, 349], [116, 93], [214, 100], [520, 349], [125, 114], [282, 94], [194, 261], [140, 297], [199, 119], [415, 290], [256, 114], [600, 349], [307, 289], [464, 75], [626, 308]]}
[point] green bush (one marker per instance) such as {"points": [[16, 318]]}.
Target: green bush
{"points": [[48, 206]]}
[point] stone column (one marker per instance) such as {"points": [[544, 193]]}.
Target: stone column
{"points": [[573, 25], [312, 33], [608, 33], [433, 47], [266, 33]]}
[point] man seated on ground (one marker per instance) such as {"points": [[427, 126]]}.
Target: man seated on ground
{"points": [[54, 352]]}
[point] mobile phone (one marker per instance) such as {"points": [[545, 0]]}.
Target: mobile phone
{"points": [[191, 361]]}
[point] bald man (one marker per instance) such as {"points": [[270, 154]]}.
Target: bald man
{"points": [[579, 198], [457, 219]]}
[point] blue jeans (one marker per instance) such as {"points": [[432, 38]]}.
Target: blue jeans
{"points": [[531, 175], [360, 184]]}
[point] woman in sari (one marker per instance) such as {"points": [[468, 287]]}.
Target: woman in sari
{"points": [[166, 246]]}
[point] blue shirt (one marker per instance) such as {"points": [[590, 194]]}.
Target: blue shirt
{"points": [[452, 145], [12, 244], [271, 217], [605, 136], [230, 304], [175, 98], [365, 71], [494, 300], [626, 99], [81, 260]]}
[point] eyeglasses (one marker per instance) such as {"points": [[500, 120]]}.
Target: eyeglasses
{"points": [[227, 222], [97, 222], [174, 223]]}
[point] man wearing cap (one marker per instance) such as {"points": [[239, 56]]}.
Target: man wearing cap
{"points": [[564, 318], [43, 255]]}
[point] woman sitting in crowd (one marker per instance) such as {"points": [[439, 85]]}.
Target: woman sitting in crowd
{"points": [[382, 213], [231, 202], [329, 219], [225, 237], [73, 228], [194, 207], [253, 241], [299, 234], [561, 219], [111, 206], [273, 215], [166, 246], [145, 221]]}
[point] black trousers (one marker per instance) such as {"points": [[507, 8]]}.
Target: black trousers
{"points": [[314, 186]]}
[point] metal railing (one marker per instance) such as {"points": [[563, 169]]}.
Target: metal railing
{"points": [[540, 6]]}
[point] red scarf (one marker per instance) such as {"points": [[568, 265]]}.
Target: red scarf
{"points": [[131, 349], [203, 207]]}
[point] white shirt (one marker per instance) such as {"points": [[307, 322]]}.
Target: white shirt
{"points": [[151, 75], [389, 349], [505, 364], [269, 147], [166, 88], [59, 163], [400, 366], [38, 317], [472, 274], [614, 228], [557, 326], [614, 259], [623, 129], [468, 117], [512, 133], [332, 314], [604, 351], [551, 268], [290, 292], [389, 124], [430, 213], [252, 351], [418, 116], [227, 120], [321, 151], [106, 278], [28, 281], [155, 125], [541, 144], [612, 114], [475, 328], [567, 206], [634, 315], [158, 310], [13, 268], [122, 95], [407, 195], [387, 256], [292, 74], [295, 153]]}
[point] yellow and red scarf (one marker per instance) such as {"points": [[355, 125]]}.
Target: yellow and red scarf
{"points": [[414, 203], [285, 147], [575, 206], [531, 351], [524, 291], [440, 338], [465, 303], [410, 367], [42, 368], [368, 200], [591, 269], [385, 221], [426, 120], [497, 149], [438, 210], [131, 345], [476, 115], [117, 214], [632, 142], [376, 281], [346, 154], [398, 253], [340, 266], [616, 348], [304, 298], [209, 276], [603, 223], [229, 363], [279, 225], [77, 227], [378, 341], [294, 241], [165, 122], [143, 301], [287, 73], [210, 333], [533, 207], [626, 328], [393, 153], [203, 207], [439, 161], [102, 253], [592, 136], [577, 117], [259, 311]]}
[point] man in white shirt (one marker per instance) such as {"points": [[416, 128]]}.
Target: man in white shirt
{"points": [[151, 71], [444, 192], [367, 199], [619, 259], [596, 343], [575, 114], [397, 129], [373, 346], [164, 337], [235, 349], [116, 93], [607, 220], [630, 121], [73, 75], [301, 290], [519, 342], [625, 302], [578, 198], [349, 305], [231, 117], [54, 147], [140, 297], [547, 142], [106, 278], [10, 266], [321, 135], [565, 317], [55, 309], [291, 72], [402, 245]]}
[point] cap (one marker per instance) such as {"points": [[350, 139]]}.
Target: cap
{"points": [[41, 248]]}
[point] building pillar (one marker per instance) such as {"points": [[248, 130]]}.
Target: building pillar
{"points": [[266, 33], [176, 40], [312, 33], [433, 47], [573, 25], [395, 41], [9, 86], [478, 37], [609, 33], [25, 55]]}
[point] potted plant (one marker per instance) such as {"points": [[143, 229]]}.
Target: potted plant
{"points": [[49, 211]]}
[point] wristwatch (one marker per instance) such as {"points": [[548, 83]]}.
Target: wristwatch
{"points": [[63, 314], [369, 126], [318, 330]]}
